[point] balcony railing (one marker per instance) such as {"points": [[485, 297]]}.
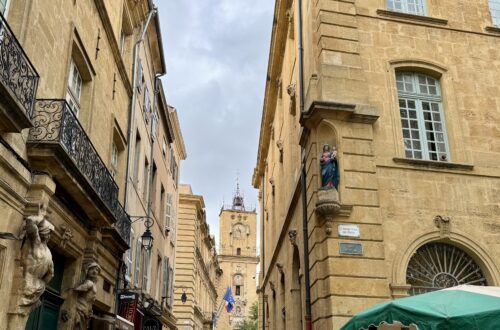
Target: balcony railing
{"points": [[18, 76], [123, 223], [56, 126]]}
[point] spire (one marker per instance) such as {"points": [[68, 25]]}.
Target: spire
{"points": [[238, 203]]}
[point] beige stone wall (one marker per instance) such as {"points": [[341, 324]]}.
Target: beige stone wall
{"points": [[237, 231], [352, 51], [52, 34], [197, 268]]}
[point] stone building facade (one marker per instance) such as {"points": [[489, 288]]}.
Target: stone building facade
{"points": [[408, 94], [197, 268], [238, 260], [151, 190], [68, 83]]}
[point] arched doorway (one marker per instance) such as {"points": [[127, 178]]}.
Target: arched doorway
{"points": [[296, 290], [437, 265]]}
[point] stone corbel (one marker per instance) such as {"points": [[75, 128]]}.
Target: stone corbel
{"points": [[328, 207], [279, 265], [444, 225], [292, 91], [292, 234], [279, 144]]}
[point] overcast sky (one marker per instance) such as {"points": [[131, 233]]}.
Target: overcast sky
{"points": [[216, 53]]}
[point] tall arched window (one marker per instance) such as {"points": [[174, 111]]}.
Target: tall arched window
{"points": [[437, 266], [422, 117]]}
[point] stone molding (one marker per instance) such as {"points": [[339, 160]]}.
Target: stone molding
{"points": [[494, 29], [411, 18], [354, 113], [434, 164]]}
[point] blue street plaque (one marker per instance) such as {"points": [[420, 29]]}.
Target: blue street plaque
{"points": [[351, 248]]}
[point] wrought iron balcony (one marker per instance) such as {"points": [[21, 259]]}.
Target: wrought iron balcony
{"points": [[18, 82], [58, 144]]}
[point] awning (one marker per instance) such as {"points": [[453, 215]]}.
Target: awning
{"points": [[461, 307]]}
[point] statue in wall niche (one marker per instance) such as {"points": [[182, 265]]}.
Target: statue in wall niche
{"points": [[329, 168], [86, 292], [36, 260]]}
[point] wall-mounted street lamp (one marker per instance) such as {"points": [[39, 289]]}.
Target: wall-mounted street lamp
{"points": [[147, 238]]}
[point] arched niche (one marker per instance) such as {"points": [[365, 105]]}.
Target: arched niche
{"points": [[326, 134]]}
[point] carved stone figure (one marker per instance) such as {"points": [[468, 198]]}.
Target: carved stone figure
{"points": [[86, 292], [36, 260], [66, 236], [329, 168]]}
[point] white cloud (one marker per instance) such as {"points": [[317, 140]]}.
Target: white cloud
{"points": [[216, 53]]}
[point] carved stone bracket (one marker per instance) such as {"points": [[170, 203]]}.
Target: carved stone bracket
{"points": [[279, 144], [66, 236], [292, 234], [327, 207], [444, 224], [279, 265]]}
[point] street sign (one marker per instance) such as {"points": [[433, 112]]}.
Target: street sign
{"points": [[349, 230], [351, 248]]}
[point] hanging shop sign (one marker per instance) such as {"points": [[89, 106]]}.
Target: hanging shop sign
{"points": [[128, 305], [151, 324]]}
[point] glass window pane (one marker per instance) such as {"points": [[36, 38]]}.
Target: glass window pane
{"points": [[428, 126], [438, 127], [441, 147], [418, 154], [407, 144], [427, 115], [408, 154], [402, 103], [411, 104], [415, 135], [405, 123], [436, 116], [440, 136], [426, 106], [435, 107], [404, 113], [416, 145], [406, 133], [413, 114], [413, 124]]}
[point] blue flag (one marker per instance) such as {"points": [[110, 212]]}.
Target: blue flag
{"points": [[228, 297]]}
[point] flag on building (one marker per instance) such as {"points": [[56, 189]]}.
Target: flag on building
{"points": [[228, 297]]}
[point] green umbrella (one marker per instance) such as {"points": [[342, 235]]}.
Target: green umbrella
{"points": [[464, 307]]}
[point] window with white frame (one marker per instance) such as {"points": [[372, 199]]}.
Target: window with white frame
{"points": [[114, 160], [416, 7], [3, 6], [495, 12], [168, 213], [74, 88], [146, 271], [422, 118], [146, 105], [164, 148], [128, 256]]}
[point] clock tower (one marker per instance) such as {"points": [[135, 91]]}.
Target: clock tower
{"points": [[238, 260]]}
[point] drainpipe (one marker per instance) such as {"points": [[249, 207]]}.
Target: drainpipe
{"points": [[303, 176], [263, 250], [131, 113]]}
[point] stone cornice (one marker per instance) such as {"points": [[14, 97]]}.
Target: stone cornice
{"points": [[113, 43], [278, 42]]}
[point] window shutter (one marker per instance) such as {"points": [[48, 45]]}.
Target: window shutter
{"points": [[171, 286], [138, 251], [165, 277]]}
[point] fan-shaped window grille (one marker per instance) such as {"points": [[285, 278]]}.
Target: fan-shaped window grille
{"points": [[437, 266]]}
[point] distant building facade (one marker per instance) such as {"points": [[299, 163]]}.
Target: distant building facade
{"points": [[197, 268], [238, 260], [402, 101]]}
